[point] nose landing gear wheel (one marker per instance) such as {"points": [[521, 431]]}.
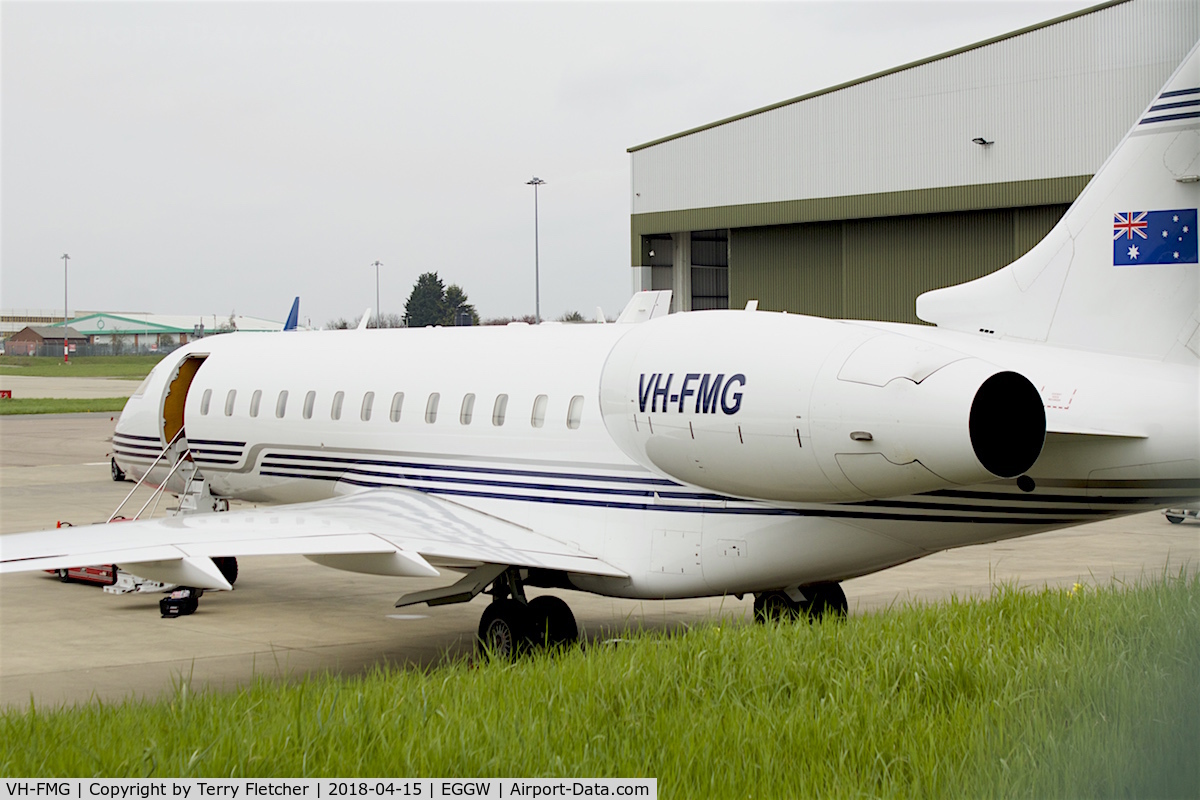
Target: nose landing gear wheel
{"points": [[118, 474]]}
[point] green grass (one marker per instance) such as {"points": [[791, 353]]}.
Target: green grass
{"points": [[59, 405], [1029, 694], [127, 367]]}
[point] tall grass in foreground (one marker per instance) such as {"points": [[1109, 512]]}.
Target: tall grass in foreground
{"points": [[1056, 693]]}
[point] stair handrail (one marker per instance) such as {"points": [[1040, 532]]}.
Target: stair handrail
{"points": [[158, 492], [142, 479]]}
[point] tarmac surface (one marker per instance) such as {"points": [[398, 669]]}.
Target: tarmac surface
{"points": [[288, 618], [86, 388]]}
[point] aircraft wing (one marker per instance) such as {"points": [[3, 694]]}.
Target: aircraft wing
{"points": [[379, 531]]}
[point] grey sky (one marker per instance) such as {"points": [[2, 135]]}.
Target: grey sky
{"points": [[208, 158]]}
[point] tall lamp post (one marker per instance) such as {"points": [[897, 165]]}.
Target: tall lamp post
{"points": [[66, 349], [537, 281], [378, 314]]}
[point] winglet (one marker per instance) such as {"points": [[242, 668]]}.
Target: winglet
{"points": [[366, 318], [293, 318]]}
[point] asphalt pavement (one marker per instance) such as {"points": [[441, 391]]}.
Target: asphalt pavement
{"points": [[288, 618]]}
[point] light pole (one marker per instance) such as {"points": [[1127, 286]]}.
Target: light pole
{"points": [[66, 350], [537, 281], [378, 314]]}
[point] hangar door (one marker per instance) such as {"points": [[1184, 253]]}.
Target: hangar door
{"points": [[875, 268]]}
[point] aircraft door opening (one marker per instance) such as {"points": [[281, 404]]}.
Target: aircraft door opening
{"points": [[176, 396]]}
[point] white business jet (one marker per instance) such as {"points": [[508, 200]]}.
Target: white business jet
{"points": [[696, 454]]}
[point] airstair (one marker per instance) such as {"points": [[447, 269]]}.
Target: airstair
{"points": [[196, 498]]}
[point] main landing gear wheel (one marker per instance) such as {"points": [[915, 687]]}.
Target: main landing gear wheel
{"points": [[504, 629], [825, 598], [511, 625], [553, 623], [775, 607], [820, 599]]}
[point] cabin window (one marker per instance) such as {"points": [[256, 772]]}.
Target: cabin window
{"points": [[575, 412], [255, 401], [431, 407], [335, 411], [539, 411], [310, 400], [205, 399], [397, 404], [368, 401], [230, 399], [468, 409], [281, 404], [499, 409]]}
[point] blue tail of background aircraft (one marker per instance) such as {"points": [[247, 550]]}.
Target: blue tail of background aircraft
{"points": [[293, 318]]}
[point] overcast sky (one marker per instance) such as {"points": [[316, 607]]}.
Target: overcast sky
{"points": [[218, 157]]}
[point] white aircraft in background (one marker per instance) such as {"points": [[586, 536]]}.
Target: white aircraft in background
{"points": [[697, 454]]}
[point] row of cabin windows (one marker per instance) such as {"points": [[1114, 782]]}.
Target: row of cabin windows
{"points": [[466, 413]]}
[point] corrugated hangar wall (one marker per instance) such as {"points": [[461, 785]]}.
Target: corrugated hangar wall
{"points": [[852, 201], [874, 268]]}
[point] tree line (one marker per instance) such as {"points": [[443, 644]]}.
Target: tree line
{"points": [[431, 302]]}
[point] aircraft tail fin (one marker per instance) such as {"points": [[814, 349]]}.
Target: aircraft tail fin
{"points": [[1119, 273], [293, 318]]}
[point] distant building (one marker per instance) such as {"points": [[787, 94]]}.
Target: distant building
{"points": [[29, 339], [135, 331], [162, 330]]}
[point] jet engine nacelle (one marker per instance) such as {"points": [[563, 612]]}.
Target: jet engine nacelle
{"points": [[789, 408]]}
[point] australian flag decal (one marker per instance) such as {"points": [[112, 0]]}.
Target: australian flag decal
{"points": [[1155, 237]]}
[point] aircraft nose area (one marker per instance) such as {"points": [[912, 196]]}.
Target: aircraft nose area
{"points": [[136, 439], [1007, 424]]}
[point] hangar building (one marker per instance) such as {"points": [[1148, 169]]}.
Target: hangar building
{"points": [[851, 201]]}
